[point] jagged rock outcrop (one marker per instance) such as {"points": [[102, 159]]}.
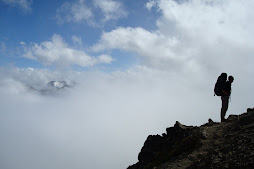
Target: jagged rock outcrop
{"points": [[213, 146]]}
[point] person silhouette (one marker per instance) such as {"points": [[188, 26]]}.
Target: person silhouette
{"points": [[226, 92]]}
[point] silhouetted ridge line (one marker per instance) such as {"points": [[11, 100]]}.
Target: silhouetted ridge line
{"points": [[213, 145]]}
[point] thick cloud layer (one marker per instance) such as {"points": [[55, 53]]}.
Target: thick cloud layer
{"points": [[103, 121]]}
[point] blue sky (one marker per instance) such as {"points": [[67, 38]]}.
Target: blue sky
{"points": [[90, 35], [38, 21], [136, 67]]}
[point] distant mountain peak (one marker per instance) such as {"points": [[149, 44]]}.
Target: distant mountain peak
{"points": [[58, 84], [51, 88]]}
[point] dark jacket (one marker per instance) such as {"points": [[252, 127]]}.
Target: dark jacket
{"points": [[228, 87]]}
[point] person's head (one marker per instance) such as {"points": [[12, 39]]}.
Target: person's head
{"points": [[230, 79]]}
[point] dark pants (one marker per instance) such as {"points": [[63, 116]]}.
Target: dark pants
{"points": [[224, 107]]}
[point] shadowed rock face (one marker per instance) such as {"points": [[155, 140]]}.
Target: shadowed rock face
{"points": [[213, 145]]}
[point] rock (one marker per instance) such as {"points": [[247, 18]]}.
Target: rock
{"points": [[231, 145], [232, 118], [250, 109], [204, 132], [210, 121]]}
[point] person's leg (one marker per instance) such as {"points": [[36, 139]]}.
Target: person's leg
{"points": [[224, 107]]}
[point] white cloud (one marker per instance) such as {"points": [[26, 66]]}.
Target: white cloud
{"points": [[2, 47], [79, 12], [111, 9], [22, 43], [76, 40], [150, 4], [56, 51], [206, 34], [156, 49], [105, 118], [75, 12], [25, 5], [105, 59]]}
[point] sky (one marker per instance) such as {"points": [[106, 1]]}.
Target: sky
{"points": [[135, 67]]}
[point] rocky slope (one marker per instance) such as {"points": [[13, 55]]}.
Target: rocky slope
{"points": [[213, 145]]}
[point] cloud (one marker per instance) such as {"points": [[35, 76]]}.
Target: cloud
{"points": [[75, 12], [57, 52], [76, 40], [150, 4], [25, 5], [105, 118], [80, 12], [22, 43], [112, 10], [155, 49], [2, 47], [191, 36]]}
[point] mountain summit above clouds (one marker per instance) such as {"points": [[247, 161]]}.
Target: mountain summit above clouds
{"points": [[212, 146], [58, 84], [52, 87]]}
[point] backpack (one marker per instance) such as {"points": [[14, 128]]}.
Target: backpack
{"points": [[220, 84]]}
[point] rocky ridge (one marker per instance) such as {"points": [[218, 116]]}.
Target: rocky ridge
{"points": [[212, 146]]}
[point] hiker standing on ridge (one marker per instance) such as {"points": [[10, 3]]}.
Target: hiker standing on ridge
{"points": [[223, 88], [226, 91]]}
